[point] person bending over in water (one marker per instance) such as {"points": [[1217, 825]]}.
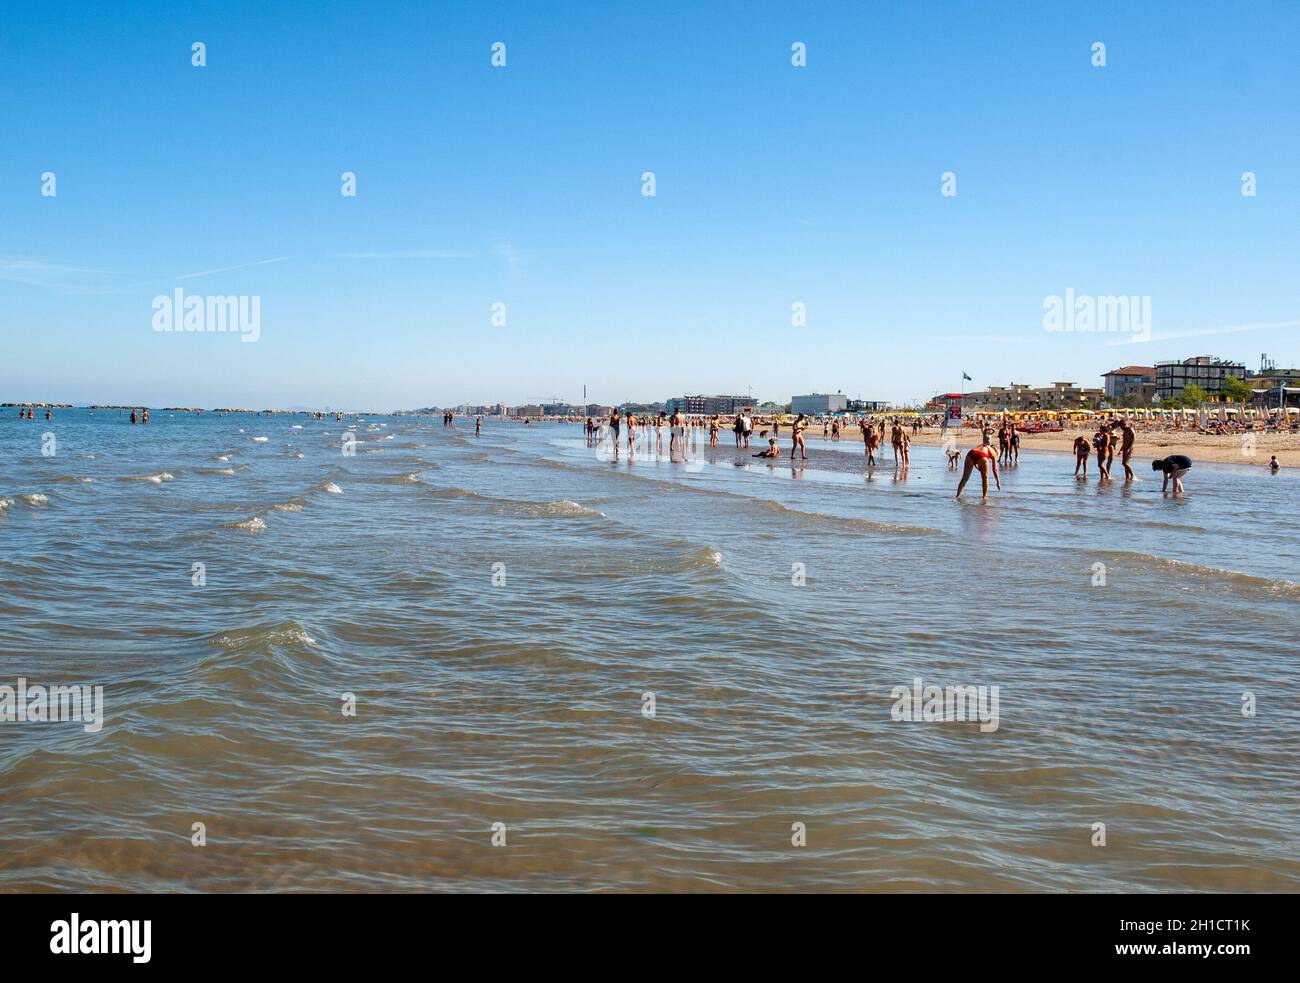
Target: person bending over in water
{"points": [[772, 449], [797, 442], [954, 458], [982, 457], [1174, 466]]}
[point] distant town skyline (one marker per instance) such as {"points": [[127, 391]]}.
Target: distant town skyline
{"points": [[638, 199]]}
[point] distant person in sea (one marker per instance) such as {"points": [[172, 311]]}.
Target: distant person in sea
{"points": [[144, 415], [49, 415], [713, 430], [478, 426], [1174, 467], [1273, 466], [984, 458], [772, 449], [615, 429], [1004, 444], [1081, 452], [676, 433], [631, 431], [1015, 444], [134, 419], [796, 437]]}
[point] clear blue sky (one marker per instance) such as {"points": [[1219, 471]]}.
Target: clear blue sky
{"points": [[522, 185]]}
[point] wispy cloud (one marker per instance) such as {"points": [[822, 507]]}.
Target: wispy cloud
{"points": [[1135, 339], [55, 274], [410, 254], [228, 269], [989, 339]]}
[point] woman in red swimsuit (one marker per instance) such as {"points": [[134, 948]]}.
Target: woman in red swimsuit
{"points": [[982, 457]]}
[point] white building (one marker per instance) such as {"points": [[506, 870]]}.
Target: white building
{"points": [[816, 403]]}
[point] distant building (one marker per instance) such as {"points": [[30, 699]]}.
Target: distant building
{"points": [[1017, 397], [945, 401], [816, 403], [709, 405], [1202, 370], [1274, 387], [1134, 384], [867, 405], [1068, 396]]}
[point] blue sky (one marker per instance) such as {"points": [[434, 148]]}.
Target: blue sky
{"points": [[522, 185]]}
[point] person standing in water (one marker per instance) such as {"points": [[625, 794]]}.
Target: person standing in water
{"points": [[796, 442], [982, 457], [676, 433], [1174, 466], [1081, 452], [478, 426], [1101, 442], [1127, 439]]}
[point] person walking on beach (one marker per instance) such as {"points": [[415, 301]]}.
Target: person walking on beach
{"points": [[749, 426], [615, 429], [984, 458], [1174, 466], [713, 430], [738, 428], [1004, 444], [796, 442], [631, 431], [1081, 452], [1015, 444]]}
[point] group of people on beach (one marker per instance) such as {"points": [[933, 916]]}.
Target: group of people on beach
{"points": [[1114, 436]]}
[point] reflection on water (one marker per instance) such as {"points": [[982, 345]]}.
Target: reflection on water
{"points": [[501, 607]]}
